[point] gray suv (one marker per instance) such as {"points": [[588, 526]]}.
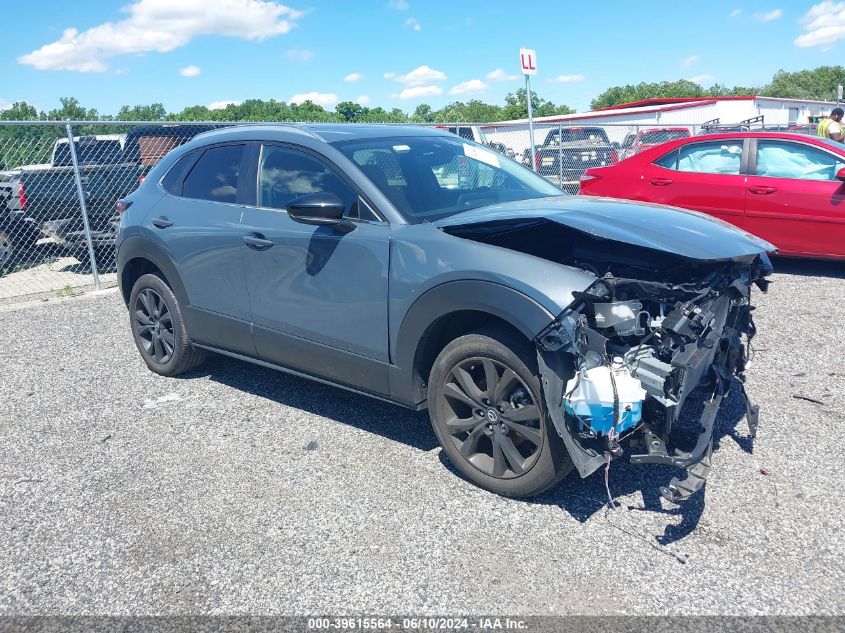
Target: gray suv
{"points": [[543, 332]]}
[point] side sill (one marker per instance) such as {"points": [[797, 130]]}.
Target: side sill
{"points": [[293, 372]]}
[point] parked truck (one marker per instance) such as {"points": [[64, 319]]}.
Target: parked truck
{"points": [[567, 152], [46, 196]]}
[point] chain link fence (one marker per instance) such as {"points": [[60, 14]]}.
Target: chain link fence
{"points": [[59, 183]]}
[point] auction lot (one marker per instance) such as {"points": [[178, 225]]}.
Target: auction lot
{"points": [[237, 489]]}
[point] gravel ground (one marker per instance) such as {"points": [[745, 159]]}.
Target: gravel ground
{"points": [[241, 490]]}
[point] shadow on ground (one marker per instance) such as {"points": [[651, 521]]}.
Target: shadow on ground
{"points": [[809, 267], [580, 498]]}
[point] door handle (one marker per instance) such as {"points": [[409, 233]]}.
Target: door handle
{"points": [[162, 222], [761, 190], [660, 182], [258, 241]]}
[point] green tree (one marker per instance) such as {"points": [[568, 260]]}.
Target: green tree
{"points": [[152, 112], [516, 106], [819, 83], [422, 114], [350, 111], [71, 110], [631, 92]]}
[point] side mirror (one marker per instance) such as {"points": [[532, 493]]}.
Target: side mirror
{"points": [[323, 209], [840, 175]]}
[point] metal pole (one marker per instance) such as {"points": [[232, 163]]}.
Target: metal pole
{"points": [[81, 193], [530, 121], [560, 154]]}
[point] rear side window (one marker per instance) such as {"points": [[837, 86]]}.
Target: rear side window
{"points": [[782, 159], [717, 157], [215, 176], [172, 181]]}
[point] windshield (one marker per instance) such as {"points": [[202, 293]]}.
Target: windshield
{"points": [[661, 136], [88, 152], [577, 135], [432, 177]]}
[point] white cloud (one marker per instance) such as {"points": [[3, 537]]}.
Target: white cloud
{"points": [[399, 5], [320, 98], [418, 91], [418, 76], [190, 71], [735, 13], [352, 77], [299, 54], [686, 62], [566, 79], [823, 25], [473, 85], [413, 23], [363, 100], [500, 75], [5, 105], [701, 80], [161, 26], [768, 16], [221, 105]]}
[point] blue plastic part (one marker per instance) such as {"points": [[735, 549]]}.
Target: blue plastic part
{"points": [[600, 418]]}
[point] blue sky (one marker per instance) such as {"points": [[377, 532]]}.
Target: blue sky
{"points": [[397, 53]]}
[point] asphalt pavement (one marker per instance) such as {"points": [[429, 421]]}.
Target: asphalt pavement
{"points": [[240, 490]]}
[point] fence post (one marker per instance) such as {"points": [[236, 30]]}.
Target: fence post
{"points": [[83, 208], [560, 155]]}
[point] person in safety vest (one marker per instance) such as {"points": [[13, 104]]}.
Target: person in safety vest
{"points": [[831, 127]]}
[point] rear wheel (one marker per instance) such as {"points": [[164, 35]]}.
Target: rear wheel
{"points": [[488, 412], [7, 249], [159, 329]]}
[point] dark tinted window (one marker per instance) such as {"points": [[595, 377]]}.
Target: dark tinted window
{"points": [[172, 182], [215, 176], [88, 152], [285, 174], [577, 135]]}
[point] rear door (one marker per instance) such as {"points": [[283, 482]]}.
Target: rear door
{"points": [[795, 200], [707, 176], [198, 223]]}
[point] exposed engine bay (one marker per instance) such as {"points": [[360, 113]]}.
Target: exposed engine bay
{"points": [[621, 361]]}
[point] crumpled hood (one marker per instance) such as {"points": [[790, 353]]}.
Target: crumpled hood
{"points": [[678, 231]]}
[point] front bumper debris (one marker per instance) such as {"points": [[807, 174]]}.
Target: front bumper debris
{"points": [[674, 339]]}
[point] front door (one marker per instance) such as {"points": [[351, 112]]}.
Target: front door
{"points": [[318, 293], [704, 176], [795, 200]]}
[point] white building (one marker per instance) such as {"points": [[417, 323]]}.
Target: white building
{"points": [[691, 112]]}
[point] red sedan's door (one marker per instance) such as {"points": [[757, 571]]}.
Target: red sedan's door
{"points": [[705, 176], [794, 199]]}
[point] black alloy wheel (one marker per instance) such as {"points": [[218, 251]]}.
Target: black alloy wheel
{"points": [[493, 421], [154, 325]]}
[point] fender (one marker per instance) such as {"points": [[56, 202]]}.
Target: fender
{"points": [[510, 305], [137, 246]]}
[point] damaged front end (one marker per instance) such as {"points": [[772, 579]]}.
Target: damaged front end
{"points": [[620, 362]]}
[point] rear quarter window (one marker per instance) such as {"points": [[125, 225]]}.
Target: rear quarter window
{"points": [[215, 175]]}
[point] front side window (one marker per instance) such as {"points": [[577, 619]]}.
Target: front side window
{"points": [[716, 157], [782, 159], [432, 177], [285, 174], [215, 176]]}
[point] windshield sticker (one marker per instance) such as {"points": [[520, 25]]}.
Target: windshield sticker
{"points": [[481, 155]]}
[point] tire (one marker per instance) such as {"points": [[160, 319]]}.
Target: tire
{"points": [[470, 420], [158, 328], [8, 248]]}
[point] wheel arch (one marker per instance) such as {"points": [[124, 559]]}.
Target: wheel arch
{"points": [[448, 311], [138, 256]]}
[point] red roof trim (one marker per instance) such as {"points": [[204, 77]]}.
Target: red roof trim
{"points": [[656, 101]]}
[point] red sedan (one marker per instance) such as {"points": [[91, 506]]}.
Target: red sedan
{"points": [[788, 189]]}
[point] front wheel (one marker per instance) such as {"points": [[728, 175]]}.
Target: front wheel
{"points": [[487, 409]]}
